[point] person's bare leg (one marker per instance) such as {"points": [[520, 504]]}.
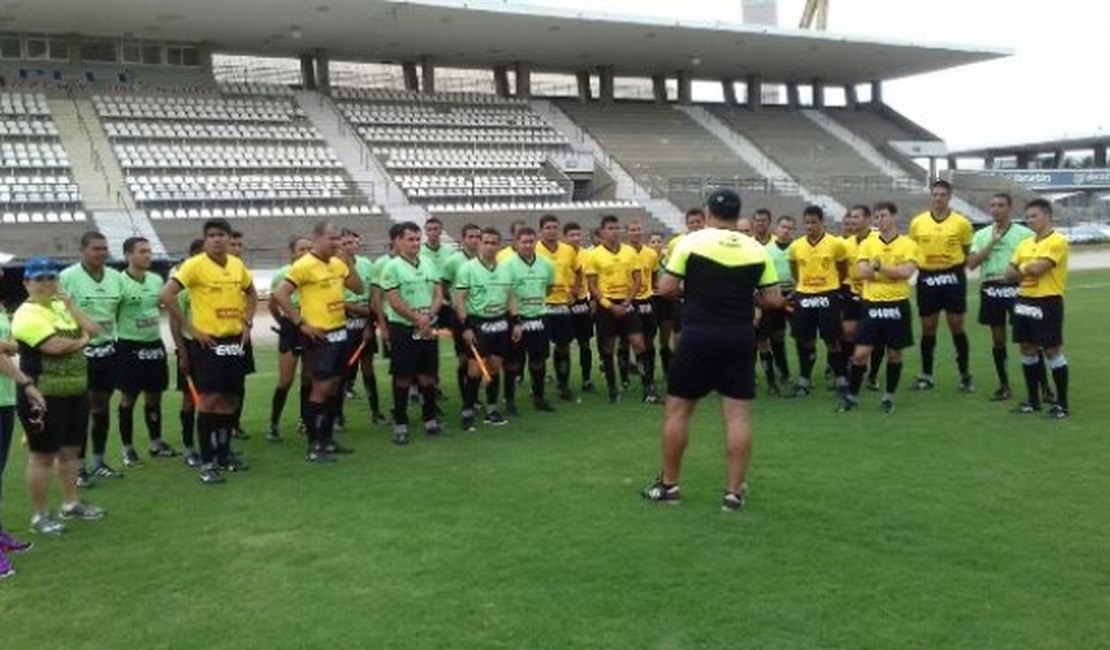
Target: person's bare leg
{"points": [[676, 433], [38, 476], [738, 431], [67, 465]]}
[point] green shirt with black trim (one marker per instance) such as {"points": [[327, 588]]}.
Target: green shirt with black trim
{"points": [[414, 281], [99, 299], [993, 268], [531, 282], [487, 289], [139, 318]]}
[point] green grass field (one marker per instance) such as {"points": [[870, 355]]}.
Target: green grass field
{"points": [[949, 524]]}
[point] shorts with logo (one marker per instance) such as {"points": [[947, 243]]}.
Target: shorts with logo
{"points": [[410, 355], [144, 367], [817, 314], [583, 321], [491, 336], [1039, 321], [610, 326], [713, 359], [221, 368], [534, 341], [944, 290], [356, 330], [326, 357], [851, 305], [559, 324], [289, 339], [888, 324], [103, 367], [649, 321], [63, 425], [996, 303]]}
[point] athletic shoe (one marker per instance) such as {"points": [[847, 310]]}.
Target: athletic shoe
{"points": [[84, 479], [1002, 394], [494, 418], [923, 382], [238, 434], [542, 405], [81, 510], [377, 419], [161, 449], [349, 392], [733, 502], [873, 385], [320, 456], [233, 464], [650, 396], [192, 459], [336, 448], [588, 386], [272, 434], [47, 525], [210, 475], [131, 458], [510, 407], [659, 493], [1025, 408], [886, 405], [847, 404], [1057, 412], [104, 471], [433, 428], [468, 422], [9, 544], [6, 570], [400, 434], [801, 390], [565, 394], [966, 385]]}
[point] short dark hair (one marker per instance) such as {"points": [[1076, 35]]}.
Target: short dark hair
{"points": [[657, 233], [196, 246], [814, 211], [1040, 204], [608, 219], [785, 217], [524, 230], [515, 225], [548, 218], [724, 204], [293, 241], [571, 226], [491, 231], [760, 211], [1005, 196], [940, 182], [433, 220], [398, 230], [130, 243], [862, 208], [236, 234], [320, 228], [469, 227], [889, 206], [217, 224], [90, 236], [347, 232], [695, 212]]}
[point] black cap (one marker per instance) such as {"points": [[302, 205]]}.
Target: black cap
{"points": [[724, 204]]}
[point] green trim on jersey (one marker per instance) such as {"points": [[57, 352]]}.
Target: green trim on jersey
{"points": [[994, 267], [531, 282], [415, 282], [99, 300], [7, 384], [364, 269], [139, 318], [63, 375], [449, 272], [279, 277], [487, 289]]}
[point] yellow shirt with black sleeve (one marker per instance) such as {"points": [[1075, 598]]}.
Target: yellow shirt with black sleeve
{"points": [[895, 252], [943, 243], [217, 294], [321, 285], [614, 271], [817, 272], [721, 270], [565, 260], [64, 375], [648, 260], [582, 260], [1053, 247]]}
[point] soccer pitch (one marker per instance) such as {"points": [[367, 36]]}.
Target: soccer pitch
{"points": [[951, 523]]}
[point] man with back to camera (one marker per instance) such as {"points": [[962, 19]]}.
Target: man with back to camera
{"points": [[321, 277], [944, 237], [723, 274], [222, 303], [992, 248], [141, 351]]}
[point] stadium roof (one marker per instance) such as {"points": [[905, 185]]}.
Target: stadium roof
{"points": [[482, 34], [1068, 143]]}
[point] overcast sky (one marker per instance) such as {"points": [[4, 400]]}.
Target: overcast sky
{"points": [[1054, 85]]}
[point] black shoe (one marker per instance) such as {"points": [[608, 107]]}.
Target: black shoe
{"points": [[1057, 412], [192, 459], [1025, 408], [161, 449], [273, 435], [336, 448], [510, 408], [468, 423], [801, 390], [733, 501], [494, 418], [433, 427], [650, 396], [104, 471], [131, 458], [966, 385], [588, 386], [542, 405], [319, 455], [233, 463], [1002, 394], [847, 405], [209, 475], [239, 434], [923, 382], [887, 405], [85, 479], [873, 385], [659, 493]]}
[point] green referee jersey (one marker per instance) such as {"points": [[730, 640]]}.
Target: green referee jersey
{"points": [[7, 384], [376, 269], [437, 256], [364, 269], [531, 282], [279, 277], [994, 266], [415, 282], [99, 299], [450, 270], [487, 288], [780, 259], [139, 317]]}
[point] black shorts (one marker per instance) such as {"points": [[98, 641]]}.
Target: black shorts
{"points": [[356, 330], [996, 303], [676, 311], [63, 425], [583, 321], [944, 290], [446, 318], [248, 358], [610, 327], [664, 309], [289, 339], [145, 368], [326, 358], [410, 356], [491, 336], [713, 359], [649, 321], [1039, 321], [888, 324], [770, 322], [851, 306], [221, 368], [534, 341], [817, 314], [103, 368], [559, 324]]}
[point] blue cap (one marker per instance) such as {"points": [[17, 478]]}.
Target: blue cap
{"points": [[38, 267]]}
